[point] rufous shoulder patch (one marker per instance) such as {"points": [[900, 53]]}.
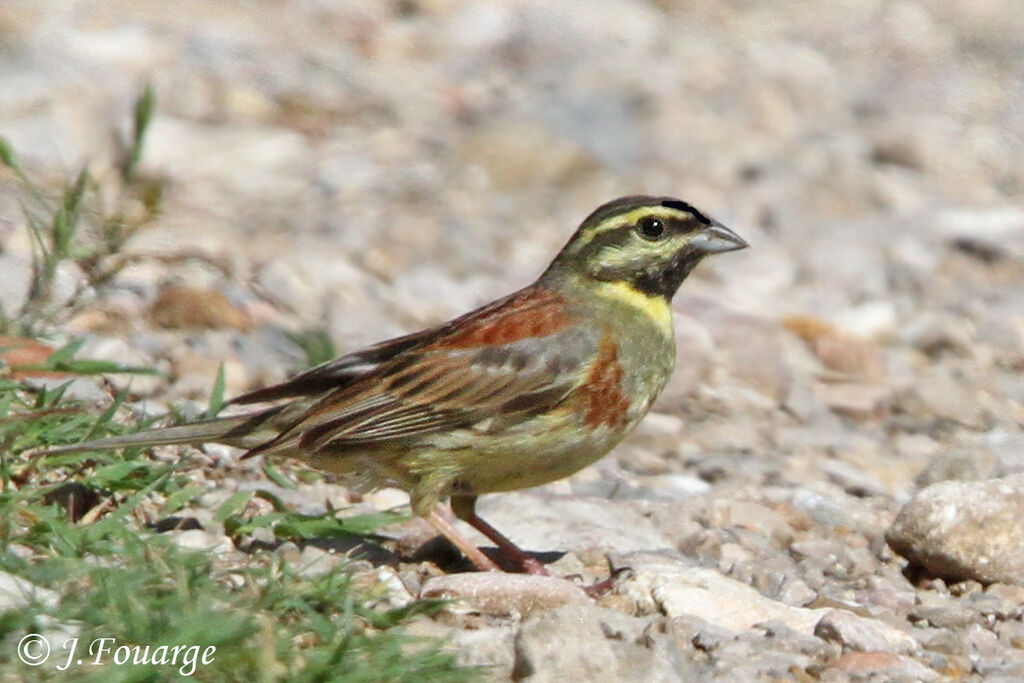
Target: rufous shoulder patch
{"points": [[532, 312]]}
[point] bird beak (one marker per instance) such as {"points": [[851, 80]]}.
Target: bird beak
{"points": [[716, 239]]}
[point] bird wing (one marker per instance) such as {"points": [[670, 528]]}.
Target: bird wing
{"points": [[530, 311], [336, 373], [513, 359]]}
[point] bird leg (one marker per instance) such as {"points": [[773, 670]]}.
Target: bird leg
{"points": [[440, 521], [464, 508]]}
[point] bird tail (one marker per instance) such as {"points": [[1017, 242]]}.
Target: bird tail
{"points": [[244, 431]]}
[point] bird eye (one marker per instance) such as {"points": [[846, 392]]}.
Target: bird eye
{"points": [[651, 228]]}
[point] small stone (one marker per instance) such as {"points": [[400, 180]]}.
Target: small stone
{"points": [[946, 616], [932, 333], [17, 352], [997, 230], [752, 516], [490, 647], [724, 602], [866, 635], [886, 666], [16, 283], [965, 530], [861, 401], [870, 320], [796, 592], [849, 356], [289, 551], [314, 562], [808, 327], [828, 504], [852, 479], [84, 389], [383, 585], [676, 486], [207, 540], [1011, 599], [938, 394], [500, 593], [959, 465], [189, 307], [588, 643], [263, 534], [18, 593]]}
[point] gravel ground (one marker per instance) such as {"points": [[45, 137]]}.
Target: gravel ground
{"points": [[830, 489]]}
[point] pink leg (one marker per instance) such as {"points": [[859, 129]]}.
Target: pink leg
{"points": [[465, 509], [440, 521]]}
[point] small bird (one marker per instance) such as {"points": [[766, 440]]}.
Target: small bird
{"points": [[520, 392]]}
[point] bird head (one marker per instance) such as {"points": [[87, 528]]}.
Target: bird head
{"points": [[649, 244]]}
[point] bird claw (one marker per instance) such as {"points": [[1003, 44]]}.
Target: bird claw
{"points": [[599, 588]]}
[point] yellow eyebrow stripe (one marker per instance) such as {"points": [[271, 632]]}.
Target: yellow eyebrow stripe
{"points": [[629, 218], [655, 307]]}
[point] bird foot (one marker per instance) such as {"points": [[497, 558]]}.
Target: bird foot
{"points": [[599, 588]]}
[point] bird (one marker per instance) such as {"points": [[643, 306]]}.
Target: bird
{"points": [[520, 392]]}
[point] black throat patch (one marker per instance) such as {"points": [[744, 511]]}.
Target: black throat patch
{"points": [[665, 281]]}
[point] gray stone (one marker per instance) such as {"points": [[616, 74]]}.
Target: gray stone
{"points": [[586, 643], [84, 389], [866, 635], [854, 480], [965, 530], [500, 593], [492, 648], [879, 666], [540, 521], [18, 593], [937, 393], [959, 465], [16, 282], [717, 599], [207, 540], [1000, 228]]}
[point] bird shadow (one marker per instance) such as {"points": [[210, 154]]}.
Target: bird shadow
{"points": [[438, 551], [441, 552]]}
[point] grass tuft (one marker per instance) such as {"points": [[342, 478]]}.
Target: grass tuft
{"points": [[113, 576]]}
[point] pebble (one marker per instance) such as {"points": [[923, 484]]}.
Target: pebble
{"points": [[18, 593], [851, 399], [965, 530], [937, 393], [719, 600], [205, 540], [587, 643], [500, 593], [178, 307], [864, 635], [885, 666], [959, 465], [84, 389], [853, 479]]}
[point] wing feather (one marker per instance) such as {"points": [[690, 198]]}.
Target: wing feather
{"points": [[497, 362]]}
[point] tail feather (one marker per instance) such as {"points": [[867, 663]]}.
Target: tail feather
{"points": [[244, 431]]}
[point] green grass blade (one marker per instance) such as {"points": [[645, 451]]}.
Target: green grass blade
{"points": [[216, 403]]}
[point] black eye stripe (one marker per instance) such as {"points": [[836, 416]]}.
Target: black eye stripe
{"points": [[683, 206]]}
